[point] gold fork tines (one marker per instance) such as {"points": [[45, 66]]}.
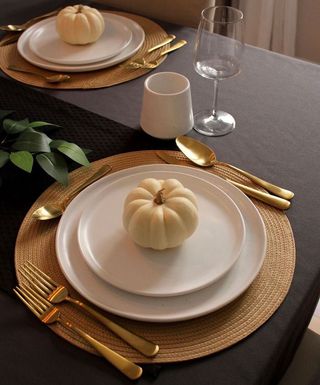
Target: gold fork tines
{"points": [[158, 61], [56, 293], [49, 314]]}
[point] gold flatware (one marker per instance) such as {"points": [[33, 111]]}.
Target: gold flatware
{"points": [[49, 314], [142, 60], [155, 63], [204, 156], [271, 200], [24, 26], [56, 78], [9, 39], [167, 40], [56, 293], [55, 209]]}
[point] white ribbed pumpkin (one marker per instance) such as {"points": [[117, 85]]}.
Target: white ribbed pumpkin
{"points": [[160, 213], [79, 24]]}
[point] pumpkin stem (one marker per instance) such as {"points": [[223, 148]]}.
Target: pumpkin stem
{"points": [[159, 198], [79, 10]]}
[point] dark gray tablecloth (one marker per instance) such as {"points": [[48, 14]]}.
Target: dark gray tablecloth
{"points": [[275, 101]]}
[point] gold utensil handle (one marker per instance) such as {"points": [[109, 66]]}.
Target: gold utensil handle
{"points": [[178, 45], [128, 368], [281, 192], [52, 13], [271, 200], [14, 68], [142, 345], [164, 42], [9, 40], [98, 174], [45, 15]]}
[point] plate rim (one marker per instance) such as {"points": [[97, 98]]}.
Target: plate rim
{"points": [[90, 260], [51, 21], [25, 51], [116, 294]]}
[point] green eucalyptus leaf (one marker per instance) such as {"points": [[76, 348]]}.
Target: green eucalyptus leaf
{"points": [[86, 150], [4, 113], [32, 141], [15, 126], [41, 124], [55, 165], [56, 143], [4, 157], [22, 159], [74, 152]]}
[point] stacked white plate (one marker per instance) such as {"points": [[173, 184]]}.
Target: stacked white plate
{"points": [[41, 46], [209, 270]]}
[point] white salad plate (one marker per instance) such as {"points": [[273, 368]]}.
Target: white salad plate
{"points": [[46, 43], [160, 309], [202, 259], [134, 45]]}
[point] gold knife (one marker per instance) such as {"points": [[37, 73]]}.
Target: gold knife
{"points": [[271, 200]]}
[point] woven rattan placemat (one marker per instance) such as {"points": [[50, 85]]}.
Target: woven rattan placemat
{"points": [[154, 34], [178, 341]]}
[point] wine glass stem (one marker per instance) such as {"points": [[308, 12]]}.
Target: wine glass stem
{"points": [[215, 97]]}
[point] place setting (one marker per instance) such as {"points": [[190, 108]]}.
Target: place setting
{"points": [[122, 47], [175, 297]]}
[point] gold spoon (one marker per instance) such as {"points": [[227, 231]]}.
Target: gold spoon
{"points": [[204, 156], [24, 26], [56, 78], [279, 203], [54, 210]]}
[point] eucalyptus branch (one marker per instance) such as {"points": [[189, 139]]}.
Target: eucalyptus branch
{"points": [[24, 143]]}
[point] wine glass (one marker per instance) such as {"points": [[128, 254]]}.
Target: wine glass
{"points": [[217, 53]]}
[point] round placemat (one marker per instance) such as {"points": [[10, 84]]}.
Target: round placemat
{"points": [[154, 34], [178, 341]]}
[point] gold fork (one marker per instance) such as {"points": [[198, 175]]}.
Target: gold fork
{"points": [[142, 60], [48, 314], [155, 63], [56, 293]]}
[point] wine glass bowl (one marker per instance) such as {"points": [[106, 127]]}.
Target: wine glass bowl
{"points": [[217, 55]]}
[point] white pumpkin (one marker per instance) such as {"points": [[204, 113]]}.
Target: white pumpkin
{"points": [[160, 213], [79, 24]]}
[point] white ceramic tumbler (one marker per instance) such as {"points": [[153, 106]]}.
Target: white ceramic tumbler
{"points": [[166, 106]]}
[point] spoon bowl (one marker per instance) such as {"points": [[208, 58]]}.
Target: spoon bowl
{"points": [[204, 156], [197, 152]]}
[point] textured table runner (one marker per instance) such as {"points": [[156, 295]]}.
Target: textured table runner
{"points": [[110, 76]]}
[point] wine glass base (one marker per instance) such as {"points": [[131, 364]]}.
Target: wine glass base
{"points": [[222, 123]]}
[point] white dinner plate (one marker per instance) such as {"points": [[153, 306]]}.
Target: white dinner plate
{"points": [[135, 44], [161, 309], [202, 259], [47, 44]]}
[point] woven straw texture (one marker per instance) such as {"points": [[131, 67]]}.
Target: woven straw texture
{"points": [[178, 341], [154, 34]]}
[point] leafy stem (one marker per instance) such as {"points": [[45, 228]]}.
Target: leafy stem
{"points": [[24, 142]]}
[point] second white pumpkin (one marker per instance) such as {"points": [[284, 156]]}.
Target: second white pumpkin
{"points": [[79, 24], [160, 214]]}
